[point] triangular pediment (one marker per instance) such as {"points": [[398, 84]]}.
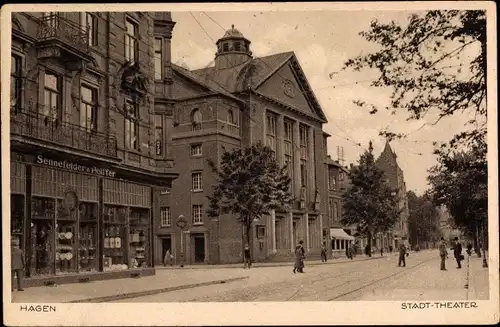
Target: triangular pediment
{"points": [[288, 85]]}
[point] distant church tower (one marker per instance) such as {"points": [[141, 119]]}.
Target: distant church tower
{"points": [[233, 49]]}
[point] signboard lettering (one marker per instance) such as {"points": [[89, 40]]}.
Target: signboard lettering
{"points": [[75, 166]]}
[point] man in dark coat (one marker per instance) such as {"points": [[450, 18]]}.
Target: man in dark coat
{"points": [[17, 267], [457, 252], [402, 254]]}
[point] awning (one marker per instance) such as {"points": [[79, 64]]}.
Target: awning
{"points": [[339, 234]]}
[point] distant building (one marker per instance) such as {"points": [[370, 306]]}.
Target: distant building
{"points": [[233, 104], [395, 177], [446, 225], [337, 236]]}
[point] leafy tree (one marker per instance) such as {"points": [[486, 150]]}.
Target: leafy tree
{"points": [[250, 185], [422, 63], [423, 220], [369, 203], [460, 181]]}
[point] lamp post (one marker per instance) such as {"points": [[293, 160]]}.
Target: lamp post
{"points": [[181, 223]]}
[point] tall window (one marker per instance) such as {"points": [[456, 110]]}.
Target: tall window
{"points": [[196, 119], [89, 23], [197, 214], [303, 141], [88, 108], [131, 44], [303, 173], [196, 181], [165, 217], [131, 125], [15, 83], [288, 143], [158, 59], [159, 134], [52, 96], [230, 117], [271, 131], [332, 182]]}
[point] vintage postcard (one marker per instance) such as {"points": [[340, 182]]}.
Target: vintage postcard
{"points": [[250, 164]]}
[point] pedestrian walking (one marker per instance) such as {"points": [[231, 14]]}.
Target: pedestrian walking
{"points": [[367, 249], [246, 257], [390, 249], [457, 252], [323, 252], [443, 253], [469, 249], [381, 251], [299, 258], [17, 267], [402, 255], [168, 259]]}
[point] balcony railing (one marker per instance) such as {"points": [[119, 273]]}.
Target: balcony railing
{"points": [[209, 126], [54, 27], [46, 128]]}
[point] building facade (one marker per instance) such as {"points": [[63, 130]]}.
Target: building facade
{"points": [[86, 172], [233, 104], [338, 237], [387, 162]]}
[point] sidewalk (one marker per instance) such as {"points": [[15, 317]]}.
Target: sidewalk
{"points": [[478, 279], [273, 264], [109, 290]]}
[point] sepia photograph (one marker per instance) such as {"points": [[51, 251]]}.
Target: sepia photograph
{"points": [[268, 160]]}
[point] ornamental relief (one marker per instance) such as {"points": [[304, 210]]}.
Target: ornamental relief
{"points": [[289, 88]]}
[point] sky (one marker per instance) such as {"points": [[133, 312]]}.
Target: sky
{"points": [[322, 42]]}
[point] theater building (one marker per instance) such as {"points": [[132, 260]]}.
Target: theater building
{"points": [[233, 104], [86, 172]]}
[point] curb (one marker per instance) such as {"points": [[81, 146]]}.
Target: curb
{"points": [[283, 264], [124, 296]]}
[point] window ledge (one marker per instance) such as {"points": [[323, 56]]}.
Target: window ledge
{"points": [[198, 224], [165, 226], [197, 191]]}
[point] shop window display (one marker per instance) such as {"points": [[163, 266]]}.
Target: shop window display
{"points": [[65, 238], [114, 247], [139, 237], [87, 235], [42, 236]]}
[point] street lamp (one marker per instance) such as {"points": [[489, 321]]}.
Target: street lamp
{"points": [[181, 223]]}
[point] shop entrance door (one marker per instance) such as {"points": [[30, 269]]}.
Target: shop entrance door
{"points": [[199, 249]]}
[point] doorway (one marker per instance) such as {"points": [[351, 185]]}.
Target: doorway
{"points": [[199, 249], [166, 244]]}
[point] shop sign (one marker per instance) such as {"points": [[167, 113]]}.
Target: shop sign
{"points": [[74, 166]]}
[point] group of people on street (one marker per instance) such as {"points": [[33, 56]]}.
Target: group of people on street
{"points": [[457, 252]]}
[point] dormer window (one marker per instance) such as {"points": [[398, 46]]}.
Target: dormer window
{"points": [[196, 119]]}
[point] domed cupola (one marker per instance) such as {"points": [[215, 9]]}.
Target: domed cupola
{"points": [[233, 49]]}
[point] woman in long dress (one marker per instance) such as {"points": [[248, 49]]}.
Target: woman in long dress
{"points": [[298, 259]]}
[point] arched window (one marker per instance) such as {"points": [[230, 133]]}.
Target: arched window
{"points": [[230, 117], [196, 119]]}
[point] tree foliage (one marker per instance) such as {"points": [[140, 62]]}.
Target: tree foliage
{"points": [[422, 62], [423, 222], [250, 184], [369, 203], [460, 181]]}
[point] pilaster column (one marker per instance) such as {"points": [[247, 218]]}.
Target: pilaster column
{"points": [[296, 159], [311, 162], [290, 225], [320, 217], [306, 218], [273, 231]]}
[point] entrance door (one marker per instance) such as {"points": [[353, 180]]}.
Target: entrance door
{"points": [[166, 244], [199, 249]]}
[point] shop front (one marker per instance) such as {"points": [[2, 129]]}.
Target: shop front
{"points": [[340, 242], [78, 222]]}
